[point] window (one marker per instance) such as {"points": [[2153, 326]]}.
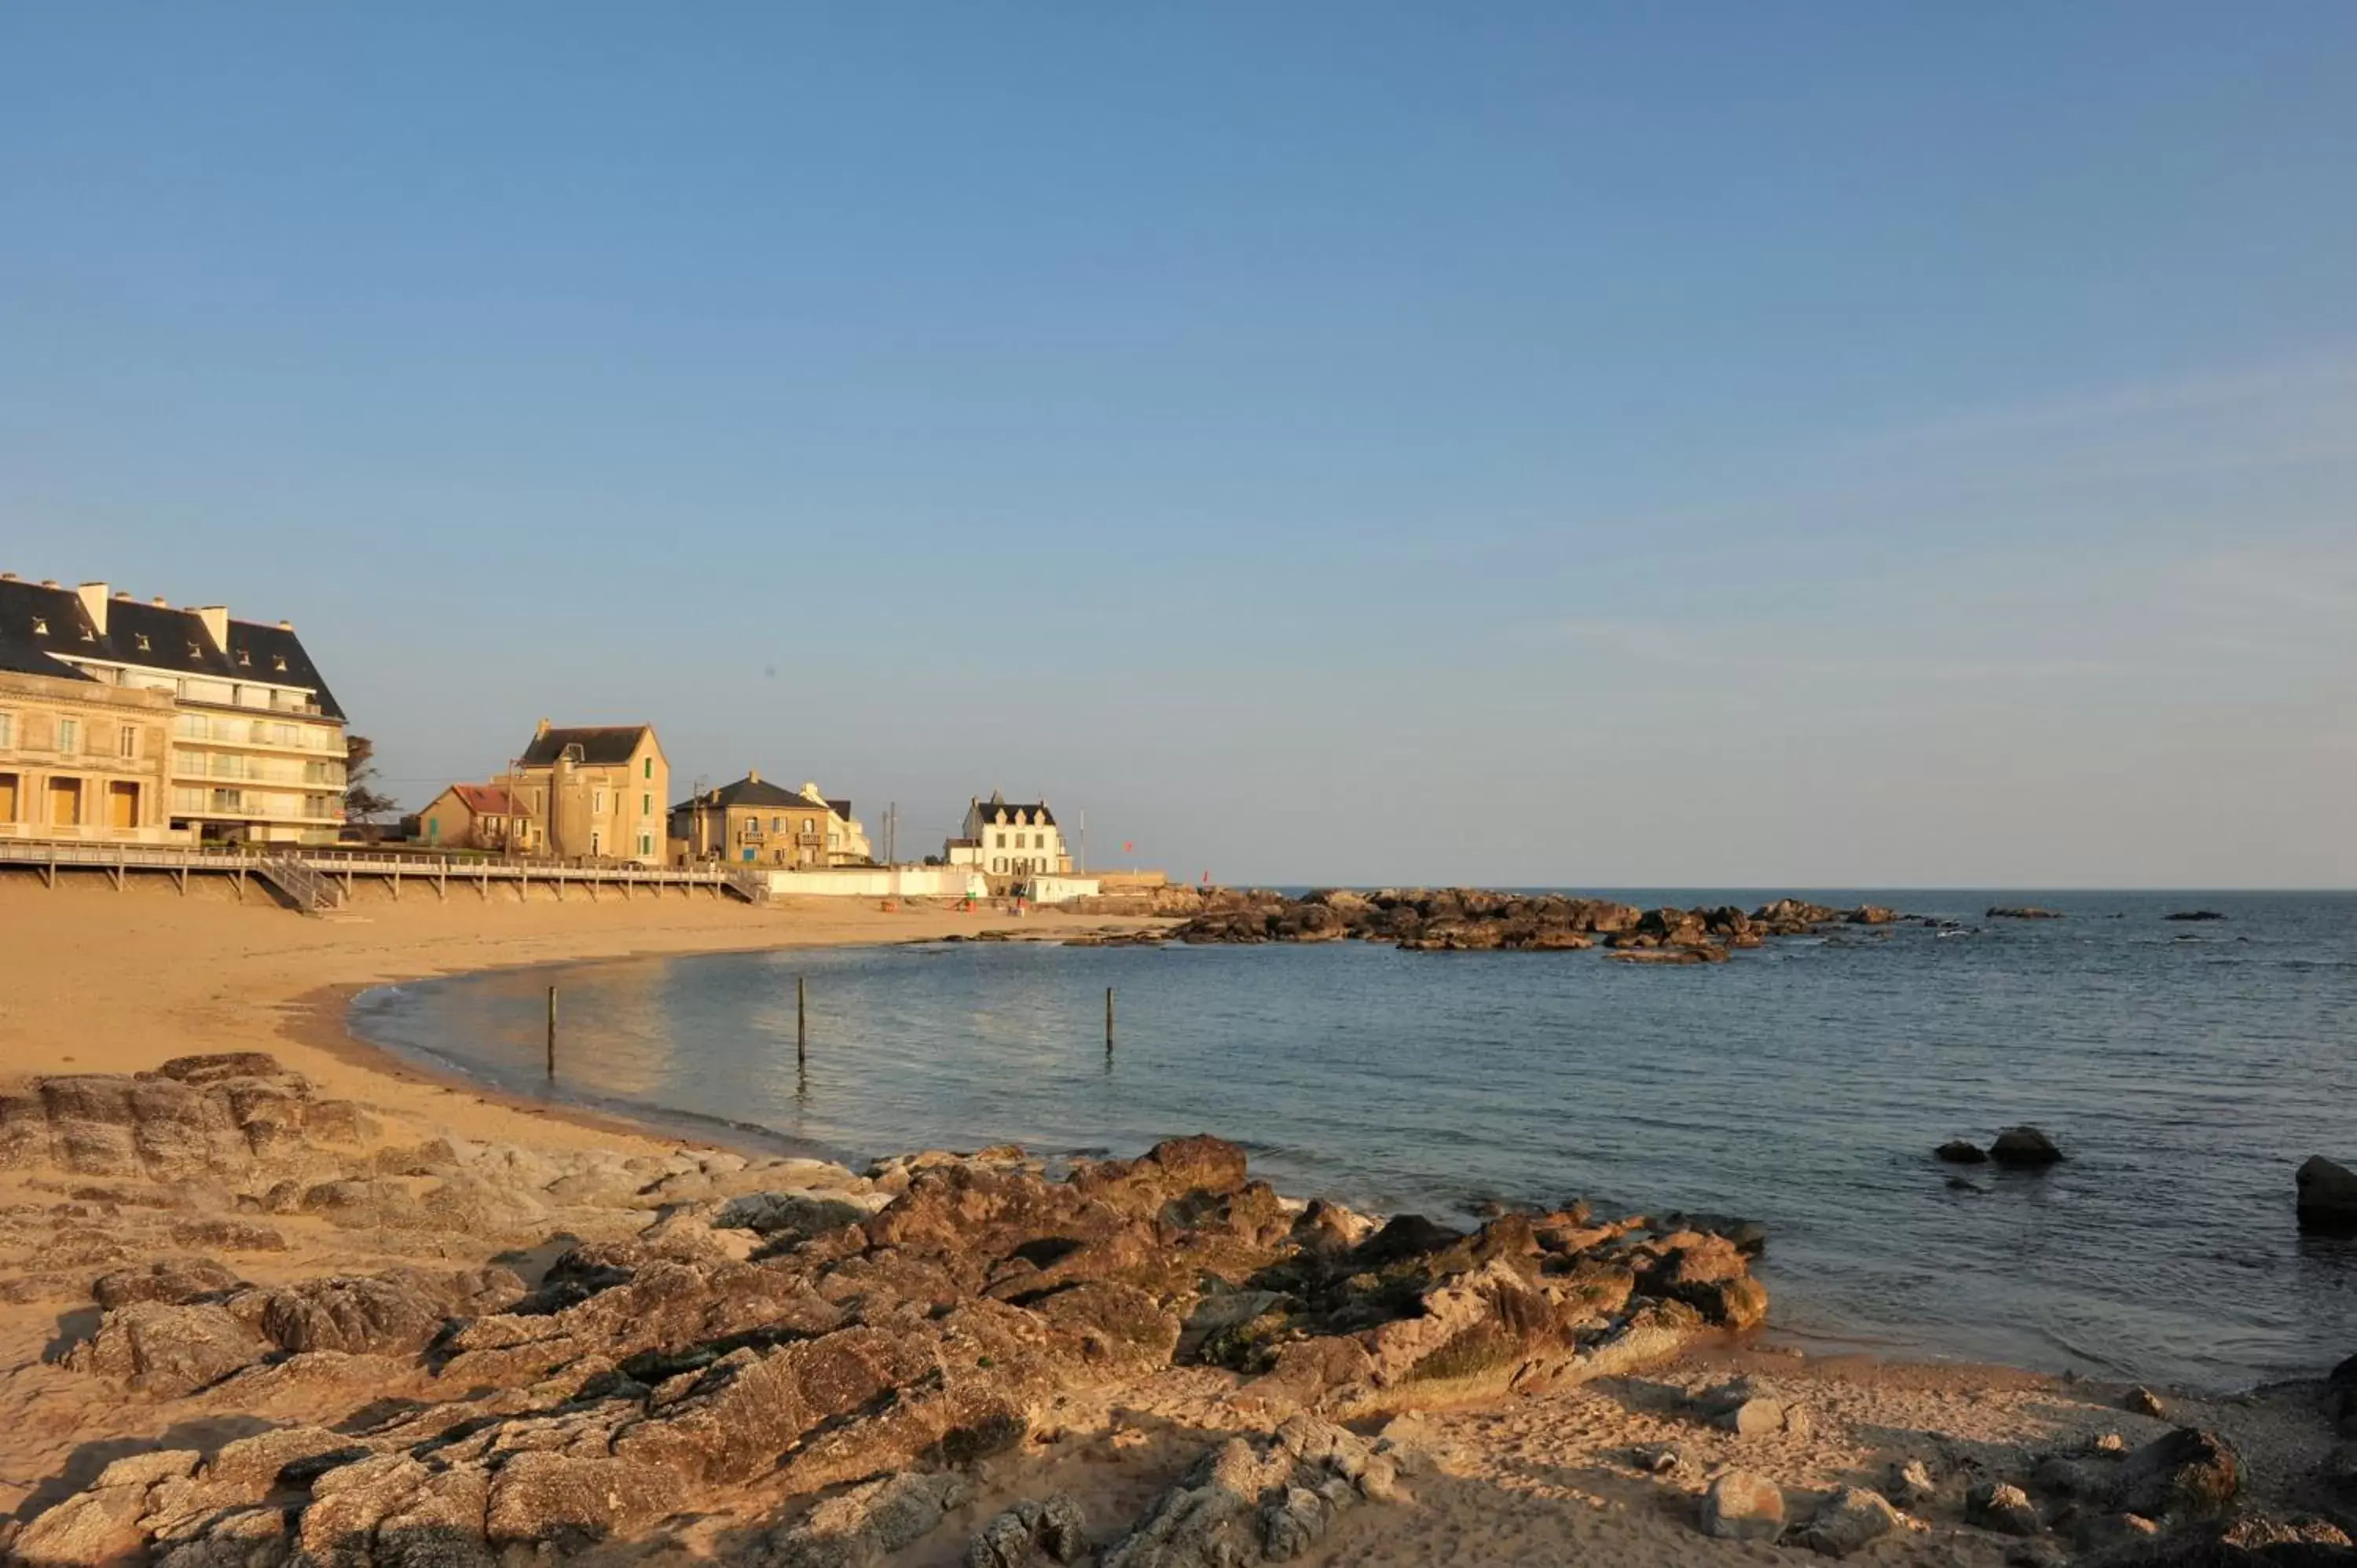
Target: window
{"points": [[646, 843], [143, 643], [646, 805], [651, 767], [598, 803], [245, 657], [777, 824], [68, 735], [1001, 844], [40, 626], [129, 741], [279, 663], [7, 729]]}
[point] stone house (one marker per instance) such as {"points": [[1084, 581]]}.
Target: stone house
{"points": [[593, 793], [756, 822]]}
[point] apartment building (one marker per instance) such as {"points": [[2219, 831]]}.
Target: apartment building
{"points": [[80, 760], [253, 749], [597, 792]]}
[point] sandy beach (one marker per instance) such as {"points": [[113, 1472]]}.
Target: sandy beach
{"points": [[98, 982]]}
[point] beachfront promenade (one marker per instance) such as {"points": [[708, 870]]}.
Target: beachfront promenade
{"points": [[319, 881]]}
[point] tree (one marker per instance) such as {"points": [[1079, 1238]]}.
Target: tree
{"points": [[363, 804]]}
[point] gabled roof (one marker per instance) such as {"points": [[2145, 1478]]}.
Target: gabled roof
{"points": [[485, 799], [601, 745]]}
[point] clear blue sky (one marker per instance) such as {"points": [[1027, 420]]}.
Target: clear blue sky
{"points": [[1825, 444]]}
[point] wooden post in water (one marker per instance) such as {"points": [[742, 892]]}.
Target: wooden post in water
{"points": [[802, 1019], [551, 1034], [1108, 1017]]}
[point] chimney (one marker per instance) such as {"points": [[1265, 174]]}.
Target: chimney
{"points": [[93, 604], [49, 582], [286, 626], [125, 594], [752, 776], [541, 732], [216, 619], [8, 576], [161, 602]]}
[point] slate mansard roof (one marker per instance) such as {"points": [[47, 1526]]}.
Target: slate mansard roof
{"points": [[39, 623]]}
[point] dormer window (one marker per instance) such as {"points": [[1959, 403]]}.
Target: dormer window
{"points": [[87, 635], [245, 659], [278, 662], [40, 626], [195, 652], [143, 643]]}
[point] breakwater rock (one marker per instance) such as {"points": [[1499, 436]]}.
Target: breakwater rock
{"points": [[1466, 919], [732, 1357]]}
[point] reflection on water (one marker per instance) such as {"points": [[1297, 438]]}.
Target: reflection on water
{"points": [[2186, 1074]]}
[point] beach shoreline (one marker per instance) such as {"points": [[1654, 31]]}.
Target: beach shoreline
{"points": [[116, 984]]}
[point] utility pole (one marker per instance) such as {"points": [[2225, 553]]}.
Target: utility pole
{"points": [[1083, 871]]}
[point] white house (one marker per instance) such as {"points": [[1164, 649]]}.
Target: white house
{"points": [[1010, 838]]}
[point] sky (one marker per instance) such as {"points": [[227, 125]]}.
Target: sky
{"points": [[1714, 445]]}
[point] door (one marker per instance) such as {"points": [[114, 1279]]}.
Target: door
{"points": [[7, 797], [65, 802], [123, 805]]}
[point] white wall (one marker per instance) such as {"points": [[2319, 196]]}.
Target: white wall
{"points": [[1056, 889], [878, 882]]}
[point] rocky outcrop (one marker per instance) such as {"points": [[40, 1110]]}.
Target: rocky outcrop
{"points": [[2328, 1195], [1257, 1500], [648, 1378], [195, 1116], [2021, 912], [1473, 920]]}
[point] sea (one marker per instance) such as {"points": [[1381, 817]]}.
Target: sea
{"points": [[2185, 1068]]}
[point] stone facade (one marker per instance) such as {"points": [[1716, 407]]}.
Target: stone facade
{"points": [[595, 793], [84, 762], [1002, 838]]}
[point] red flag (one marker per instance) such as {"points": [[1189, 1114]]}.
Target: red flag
{"points": [[1128, 847]]}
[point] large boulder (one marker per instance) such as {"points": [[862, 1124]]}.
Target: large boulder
{"points": [[1851, 1519], [1743, 1506], [2328, 1195], [2023, 1148], [2184, 1474]]}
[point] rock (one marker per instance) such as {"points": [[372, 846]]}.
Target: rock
{"points": [[262, 1460], [396, 1312], [2143, 1402], [1754, 1417], [1291, 1524], [2328, 1195], [1850, 1519], [861, 1526], [173, 1281], [1053, 1527], [2113, 1532], [793, 1215], [568, 1498], [2194, 915], [1662, 1459], [2184, 1474], [2024, 1147], [2037, 1554], [1911, 1484], [1995, 1505], [2021, 912], [1958, 1152], [1743, 1506], [166, 1350], [92, 1527]]}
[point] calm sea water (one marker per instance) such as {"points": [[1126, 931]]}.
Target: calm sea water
{"points": [[2186, 1069]]}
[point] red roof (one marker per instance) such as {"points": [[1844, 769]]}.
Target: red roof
{"points": [[484, 799]]}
